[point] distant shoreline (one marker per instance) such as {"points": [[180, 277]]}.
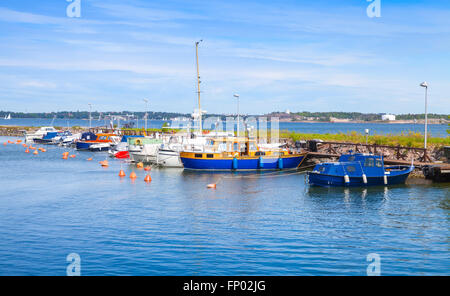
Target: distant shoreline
{"points": [[376, 122]]}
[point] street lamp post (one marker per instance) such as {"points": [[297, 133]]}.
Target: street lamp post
{"points": [[238, 121], [146, 114], [425, 84]]}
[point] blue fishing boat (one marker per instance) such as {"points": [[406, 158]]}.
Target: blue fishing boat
{"points": [[358, 170], [239, 154], [85, 141]]}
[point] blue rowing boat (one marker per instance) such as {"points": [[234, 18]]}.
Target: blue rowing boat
{"points": [[358, 170]]}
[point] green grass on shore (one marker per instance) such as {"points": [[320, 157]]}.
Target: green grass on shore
{"points": [[410, 139]]}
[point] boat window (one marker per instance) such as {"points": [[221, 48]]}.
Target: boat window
{"points": [[209, 155], [235, 146], [351, 169], [198, 155], [378, 163], [369, 162], [257, 153]]}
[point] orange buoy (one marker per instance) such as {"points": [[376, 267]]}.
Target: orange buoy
{"points": [[35, 152], [133, 175], [148, 178], [104, 163], [90, 158], [4, 144], [211, 186], [139, 165], [64, 157], [72, 156], [24, 145], [121, 173], [18, 141], [147, 168], [66, 153], [43, 150], [27, 151]]}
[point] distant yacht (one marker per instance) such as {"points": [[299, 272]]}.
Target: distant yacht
{"points": [[8, 117]]}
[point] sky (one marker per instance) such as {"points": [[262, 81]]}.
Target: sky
{"points": [[277, 55]]}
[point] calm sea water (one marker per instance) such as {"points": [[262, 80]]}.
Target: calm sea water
{"points": [[436, 130], [252, 224]]}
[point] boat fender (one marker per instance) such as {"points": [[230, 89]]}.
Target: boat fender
{"points": [[385, 180], [235, 163], [364, 177], [280, 163], [347, 179]]}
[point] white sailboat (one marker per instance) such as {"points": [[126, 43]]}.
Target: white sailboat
{"points": [[8, 117]]}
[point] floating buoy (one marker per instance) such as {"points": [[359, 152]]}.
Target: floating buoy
{"points": [[133, 175], [139, 165], [35, 152], [66, 154], [43, 150], [24, 145], [147, 168], [104, 163], [72, 156], [148, 178], [18, 141], [121, 173], [4, 144], [90, 158], [27, 151], [211, 186]]}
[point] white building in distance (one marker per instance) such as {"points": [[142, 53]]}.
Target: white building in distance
{"points": [[389, 117]]}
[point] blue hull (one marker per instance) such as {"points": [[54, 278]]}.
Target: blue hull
{"points": [[329, 180], [83, 145], [242, 163]]}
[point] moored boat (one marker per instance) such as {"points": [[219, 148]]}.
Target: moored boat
{"points": [[358, 170], [40, 133], [239, 154], [100, 142]]}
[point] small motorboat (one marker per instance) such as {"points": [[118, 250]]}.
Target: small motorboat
{"points": [[47, 138], [100, 142], [121, 149], [39, 134], [358, 170]]}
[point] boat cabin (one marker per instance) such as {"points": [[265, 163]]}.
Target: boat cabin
{"points": [[230, 147]]}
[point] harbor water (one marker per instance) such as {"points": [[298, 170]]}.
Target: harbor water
{"points": [[435, 130], [251, 224]]}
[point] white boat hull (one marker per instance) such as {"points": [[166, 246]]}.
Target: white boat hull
{"points": [[169, 158]]}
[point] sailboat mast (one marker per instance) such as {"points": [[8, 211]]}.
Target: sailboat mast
{"points": [[198, 89]]}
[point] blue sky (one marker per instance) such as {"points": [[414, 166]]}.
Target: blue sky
{"points": [[297, 55]]}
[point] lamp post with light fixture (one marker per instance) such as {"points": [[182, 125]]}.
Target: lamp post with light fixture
{"points": [[425, 84]]}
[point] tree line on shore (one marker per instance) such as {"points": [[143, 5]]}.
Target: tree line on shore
{"points": [[321, 116]]}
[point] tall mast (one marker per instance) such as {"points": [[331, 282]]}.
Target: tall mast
{"points": [[198, 89]]}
